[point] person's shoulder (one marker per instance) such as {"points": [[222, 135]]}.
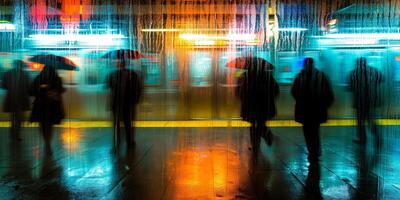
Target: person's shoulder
{"points": [[323, 74]]}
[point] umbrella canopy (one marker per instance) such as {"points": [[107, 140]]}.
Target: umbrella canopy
{"points": [[249, 62], [58, 62]]}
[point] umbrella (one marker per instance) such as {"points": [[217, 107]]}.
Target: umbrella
{"points": [[247, 62], [125, 54], [58, 62]]}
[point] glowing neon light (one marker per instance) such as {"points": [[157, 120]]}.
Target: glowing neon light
{"points": [[77, 39], [205, 42], [231, 37], [332, 22], [7, 27], [395, 36], [292, 29], [354, 41]]}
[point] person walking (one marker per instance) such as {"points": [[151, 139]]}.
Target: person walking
{"points": [[258, 90], [313, 94], [48, 109], [364, 83], [126, 89], [16, 83]]}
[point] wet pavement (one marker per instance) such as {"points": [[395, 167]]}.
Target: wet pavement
{"points": [[197, 163]]}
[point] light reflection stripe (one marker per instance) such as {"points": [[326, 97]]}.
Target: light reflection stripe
{"points": [[201, 123]]}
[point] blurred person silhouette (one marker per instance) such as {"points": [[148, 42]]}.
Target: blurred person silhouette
{"points": [[126, 88], [364, 83], [48, 109], [16, 82], [313, 94], [258, 90]]}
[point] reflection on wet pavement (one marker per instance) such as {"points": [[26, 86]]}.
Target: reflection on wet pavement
{"points": [[197, 163]]}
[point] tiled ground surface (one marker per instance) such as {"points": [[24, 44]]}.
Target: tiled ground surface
{"points": [[197, 163]]}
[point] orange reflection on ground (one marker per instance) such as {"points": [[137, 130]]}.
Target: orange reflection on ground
{"points": [[204, 174], [70, 139]]}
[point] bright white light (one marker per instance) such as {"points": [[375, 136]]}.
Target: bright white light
{"points": [[194, 36], [7, 27], [292, 29], [204, 42], [93, 39], [393, 36], [230, 37], [354, 41]]}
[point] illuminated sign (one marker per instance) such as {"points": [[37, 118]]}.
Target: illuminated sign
{"points": [[6, 26], [76, 40]]}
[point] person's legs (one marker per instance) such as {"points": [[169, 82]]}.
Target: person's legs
{"points": [[374, 128], [362, 137], [128, 127], [117, 128], [15, 130], [311, 136], [254, 137], [46, 129], [265, 132]]}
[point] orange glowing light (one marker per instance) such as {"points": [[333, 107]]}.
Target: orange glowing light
{"points": [[70, 139], [35, 66], [73, 10], [201, 173]]}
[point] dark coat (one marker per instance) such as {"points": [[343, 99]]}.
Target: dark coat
{"points": [[365, 82], [16, 82], [257, 92], [47, 89], [126, 90], [313, 94]]}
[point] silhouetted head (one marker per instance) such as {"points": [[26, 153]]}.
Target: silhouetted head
{"points": [[121, 64], [308, 64], [361, 63], [255, 66], [49, 71]]}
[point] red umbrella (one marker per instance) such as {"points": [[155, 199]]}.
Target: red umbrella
{"points": [[58, 62]]}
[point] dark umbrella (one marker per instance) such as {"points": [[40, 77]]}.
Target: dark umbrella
{"points": [[248, 62], [125, 54], [58, 62]]}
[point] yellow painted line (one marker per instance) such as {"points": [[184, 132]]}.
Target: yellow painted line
{"points": [[201, 123]]}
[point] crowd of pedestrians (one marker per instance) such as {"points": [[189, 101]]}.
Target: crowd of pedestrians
{"points": [[313, 95], [257, 90]]}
